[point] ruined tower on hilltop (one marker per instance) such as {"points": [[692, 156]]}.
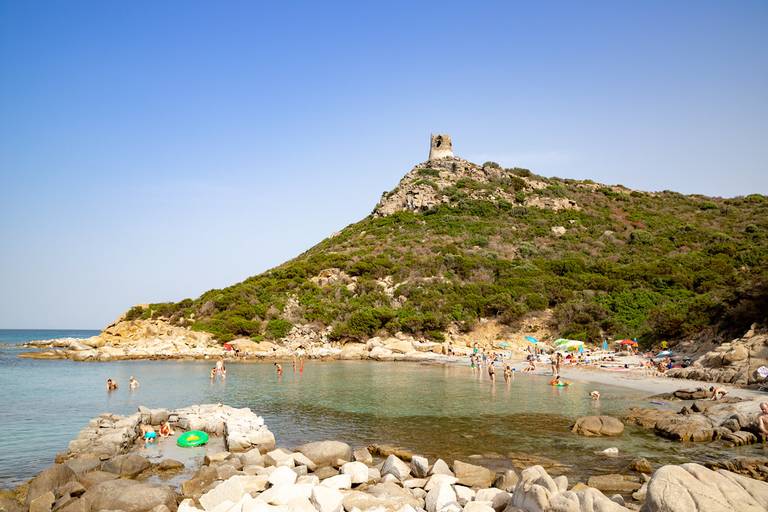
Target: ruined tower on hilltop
{"points": [[440, 147]]}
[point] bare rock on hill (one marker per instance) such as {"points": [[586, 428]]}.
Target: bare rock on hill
{"points": [[698, 489], [595, 426], [735, 362]]}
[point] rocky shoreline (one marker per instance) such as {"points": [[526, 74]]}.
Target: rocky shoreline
{"points": [[108, 467], [155, 339]]}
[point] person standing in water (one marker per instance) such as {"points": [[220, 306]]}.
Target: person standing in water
{"points": [[491, 371], [279, 369], [111, 385], [132, 383], [507, 374]]}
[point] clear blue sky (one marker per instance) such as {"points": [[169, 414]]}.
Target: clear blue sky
{"points": [[150, 151]]}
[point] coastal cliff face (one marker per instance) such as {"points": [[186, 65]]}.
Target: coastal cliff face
{"points": [[457, 244]]}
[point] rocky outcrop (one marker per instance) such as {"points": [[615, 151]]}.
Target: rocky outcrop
{"points": [[733, 363], [702, 421], [692, 487], [594, 426], [428, 185]]}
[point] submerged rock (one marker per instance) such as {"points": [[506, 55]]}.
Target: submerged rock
{"points": [[592, 426]]}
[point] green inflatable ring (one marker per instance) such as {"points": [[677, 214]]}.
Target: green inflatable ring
{"points": [[192, 438]]}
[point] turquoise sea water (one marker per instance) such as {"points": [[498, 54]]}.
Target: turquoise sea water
{"points": [[436, 410]]}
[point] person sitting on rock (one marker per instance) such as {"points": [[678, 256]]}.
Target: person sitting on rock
{"points": [[166, 430], [717, 393], [762, 420]]}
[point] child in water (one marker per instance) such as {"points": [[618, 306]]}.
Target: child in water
{"points": [[279, 369], [507, 373]]}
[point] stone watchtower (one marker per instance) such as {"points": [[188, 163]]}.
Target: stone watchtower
{"points": [[440, 147]]}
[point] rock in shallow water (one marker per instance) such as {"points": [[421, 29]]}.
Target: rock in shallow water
{"points": [[593, 426]]}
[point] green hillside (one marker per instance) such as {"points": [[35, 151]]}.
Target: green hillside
{"points": [[456, 241]]}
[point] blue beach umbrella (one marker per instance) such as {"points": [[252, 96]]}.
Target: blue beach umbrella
{"points": [[581, 349], [605, 344], [532, 339]]}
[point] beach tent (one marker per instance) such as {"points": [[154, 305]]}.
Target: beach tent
{"points": [[564, 344], [627, 342], [532, 339]]}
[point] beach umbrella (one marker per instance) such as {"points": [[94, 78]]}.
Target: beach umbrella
{"points": [[627, 342], [605, 344], [532, 339]]}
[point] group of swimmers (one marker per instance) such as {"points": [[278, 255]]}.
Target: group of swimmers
{"points": [[112, 384]]}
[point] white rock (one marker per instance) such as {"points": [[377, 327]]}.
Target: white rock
{"points": [[261, 506], [308, 479], [439, 479], [338, 482], [463, 494], [419, 466], [302, 460], [440, 496], [440, 467], [487, 494], [357, 471], [279, 457], [282, 475], [390, 478], [223, 506], [326, 499], [611, 452], [413, 483], [396, 467], [451, 507], [478, 506], [283, 494], [406, 508], [374, 474], [301, 504], [229, 490], [561, 482], [188, 505]]}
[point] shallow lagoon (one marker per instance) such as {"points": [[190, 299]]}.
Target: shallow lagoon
{"points": [[446, 411]]}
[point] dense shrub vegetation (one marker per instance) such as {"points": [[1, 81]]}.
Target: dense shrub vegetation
{"points": [[651, 266]]}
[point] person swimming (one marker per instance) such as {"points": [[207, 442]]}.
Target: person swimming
{"points": [[132, 383], [279, 369], [111, 385], [594, 395]]}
